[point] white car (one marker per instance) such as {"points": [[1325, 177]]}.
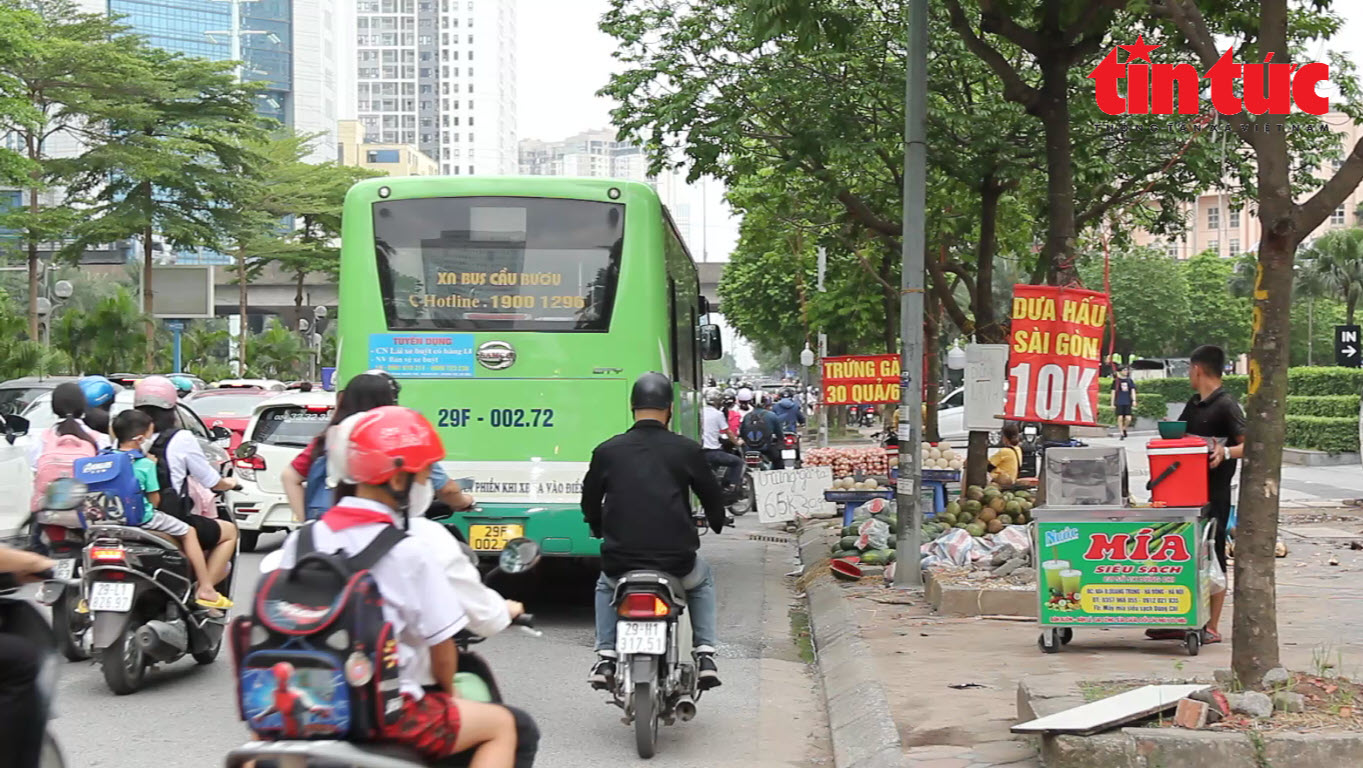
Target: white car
{"points": [[272, 385], [280, 428]]}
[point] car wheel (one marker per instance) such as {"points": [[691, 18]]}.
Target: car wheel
{"points": [[248, 540]]}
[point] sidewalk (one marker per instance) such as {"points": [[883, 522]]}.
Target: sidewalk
{"points": [[950, 684]]}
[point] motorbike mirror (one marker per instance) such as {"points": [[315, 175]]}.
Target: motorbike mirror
{"points": [[519, 556], [246, 450], [220, 433], [465, 483], [15, 427], [64, 493]]}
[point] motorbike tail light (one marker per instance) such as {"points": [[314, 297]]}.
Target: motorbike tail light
{"points": [[790, 441], [54, 533], [643, 605], [247, 468], [108, 554]]}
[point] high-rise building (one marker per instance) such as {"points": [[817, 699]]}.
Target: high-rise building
{"points": [[388, 159], [599, 154], [441, 74], [300, 49]]}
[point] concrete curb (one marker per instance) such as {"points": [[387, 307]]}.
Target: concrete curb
{"points": [[958, 600], [859, 723], [1305, 458], [1144, 747]]}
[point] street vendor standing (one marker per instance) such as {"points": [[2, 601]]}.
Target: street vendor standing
{"points": [[1214, 413]]}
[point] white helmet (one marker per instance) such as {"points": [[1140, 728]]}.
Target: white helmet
{"points": [[745, 395]]}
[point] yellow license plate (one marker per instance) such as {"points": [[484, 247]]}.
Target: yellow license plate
{"points": [[492, 538]]}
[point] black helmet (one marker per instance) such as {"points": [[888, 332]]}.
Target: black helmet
{"points": [[392, 382], [652, 391], [787, 392]]}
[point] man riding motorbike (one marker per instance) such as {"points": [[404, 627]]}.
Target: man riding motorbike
{"points": [[770, 444], [646, 477], [788, 410], [714, 427]]}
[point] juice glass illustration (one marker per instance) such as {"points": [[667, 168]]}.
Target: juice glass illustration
{"points": [[1052, 569], [1069, 581]]}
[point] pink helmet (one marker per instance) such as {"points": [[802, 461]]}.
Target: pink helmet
{"points": [[156, 391]]}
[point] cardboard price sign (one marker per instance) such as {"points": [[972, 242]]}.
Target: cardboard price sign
{"points": [[788, 494], [861, 380], [1057, 342]]}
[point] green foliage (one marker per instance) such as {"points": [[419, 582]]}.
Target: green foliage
{"points": [[277, 353], [1337, 258], [1216, 316], [1149, 301], [1325, 380], [1328, 406], [106, 338], [1317, 433]]}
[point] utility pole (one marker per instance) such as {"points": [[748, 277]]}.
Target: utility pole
{"points": [[823, 352], [907, 571]]}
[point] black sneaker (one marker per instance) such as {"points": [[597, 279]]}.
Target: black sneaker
{"points": [[602, 676], [707, 672]]}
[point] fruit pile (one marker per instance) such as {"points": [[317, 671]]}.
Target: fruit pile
{"points": [[869, 484], [851, 547], [848, 461], [940, 457], [984, 510]]}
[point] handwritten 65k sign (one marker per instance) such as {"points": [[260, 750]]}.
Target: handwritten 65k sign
{"points": [[1057, 341], [1150, 87]]}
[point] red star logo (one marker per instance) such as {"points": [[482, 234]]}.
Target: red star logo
{"points": [[1140, 50]]}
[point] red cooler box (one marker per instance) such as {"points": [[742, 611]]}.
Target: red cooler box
{"points": [[1178, 471]]}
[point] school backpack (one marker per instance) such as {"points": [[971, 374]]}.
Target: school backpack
{"points": [[191, 496], [755, 430], [113, 487], [58, 456], [316, 659], [316, 496]]}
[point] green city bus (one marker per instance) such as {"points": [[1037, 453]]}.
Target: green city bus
{"points": [[516, 314]]}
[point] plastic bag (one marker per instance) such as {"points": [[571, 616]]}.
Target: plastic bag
{"points": [[874, 534], [955, 547], [872, 507], [1216, 576], [1016, 535]]}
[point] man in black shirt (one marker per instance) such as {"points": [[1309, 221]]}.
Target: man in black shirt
{"points": [[1214, 413], [646, 477]]}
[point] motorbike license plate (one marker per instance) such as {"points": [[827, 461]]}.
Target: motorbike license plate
{"points": [[492, 538], [111, 596], [64, 568], [788, 454], [648, 637]]}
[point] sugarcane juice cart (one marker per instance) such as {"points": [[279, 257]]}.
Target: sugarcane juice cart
{"points": [[1104, 563]]}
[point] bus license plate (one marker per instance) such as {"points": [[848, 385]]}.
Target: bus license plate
{"points": [[648, 637], [493, 538], [64, 568], [111, 596]]}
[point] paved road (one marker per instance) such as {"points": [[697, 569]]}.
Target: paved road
{"points": [[768, 713]]}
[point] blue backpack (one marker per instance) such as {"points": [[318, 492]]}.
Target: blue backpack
{"points": [[316, 495], [114, 490]]}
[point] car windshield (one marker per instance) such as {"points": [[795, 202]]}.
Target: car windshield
{"points": [[40, 415], [225, 405], [292, 425]]}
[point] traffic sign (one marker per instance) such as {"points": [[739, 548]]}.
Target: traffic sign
{"points": [[1348, 350]]}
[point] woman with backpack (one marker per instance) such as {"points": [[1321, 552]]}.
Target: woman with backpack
{"points": [[305, 479], [52, 451], [181, 464]]}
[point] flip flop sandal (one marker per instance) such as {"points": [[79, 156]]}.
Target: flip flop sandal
{"points": [[223, 602], [1209, 637]]}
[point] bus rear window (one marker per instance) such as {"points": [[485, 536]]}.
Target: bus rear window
{"points": [[498, 263]]}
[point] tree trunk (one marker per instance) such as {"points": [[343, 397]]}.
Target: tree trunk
{"points": [[988, 330], [34, 154], [298, 298], [891, 302], [1349, 308], [932, 387], [1254, 648], [148, 299], [241, 311]]}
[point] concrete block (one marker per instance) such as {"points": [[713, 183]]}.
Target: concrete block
{"points": [[1286, 701], [1106, 750], [1305, 458], [1191, 749], [1191, 714], [1313, 750]]}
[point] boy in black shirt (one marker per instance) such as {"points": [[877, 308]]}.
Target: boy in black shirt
{"points": [[1212, 412]]}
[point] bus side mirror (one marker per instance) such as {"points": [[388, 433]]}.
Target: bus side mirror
{"points": [[711, 346], [704, 306]]}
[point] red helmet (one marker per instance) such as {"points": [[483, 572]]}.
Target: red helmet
{"points": [[388, 440]]}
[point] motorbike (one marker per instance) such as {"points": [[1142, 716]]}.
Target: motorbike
{"points": [[655, 680], [20, 618], [139, 590], [790, 451], [473, 682], [743, 503]]}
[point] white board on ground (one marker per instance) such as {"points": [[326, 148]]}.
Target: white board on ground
{"points": [[787, 494], [1112, 711]]}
